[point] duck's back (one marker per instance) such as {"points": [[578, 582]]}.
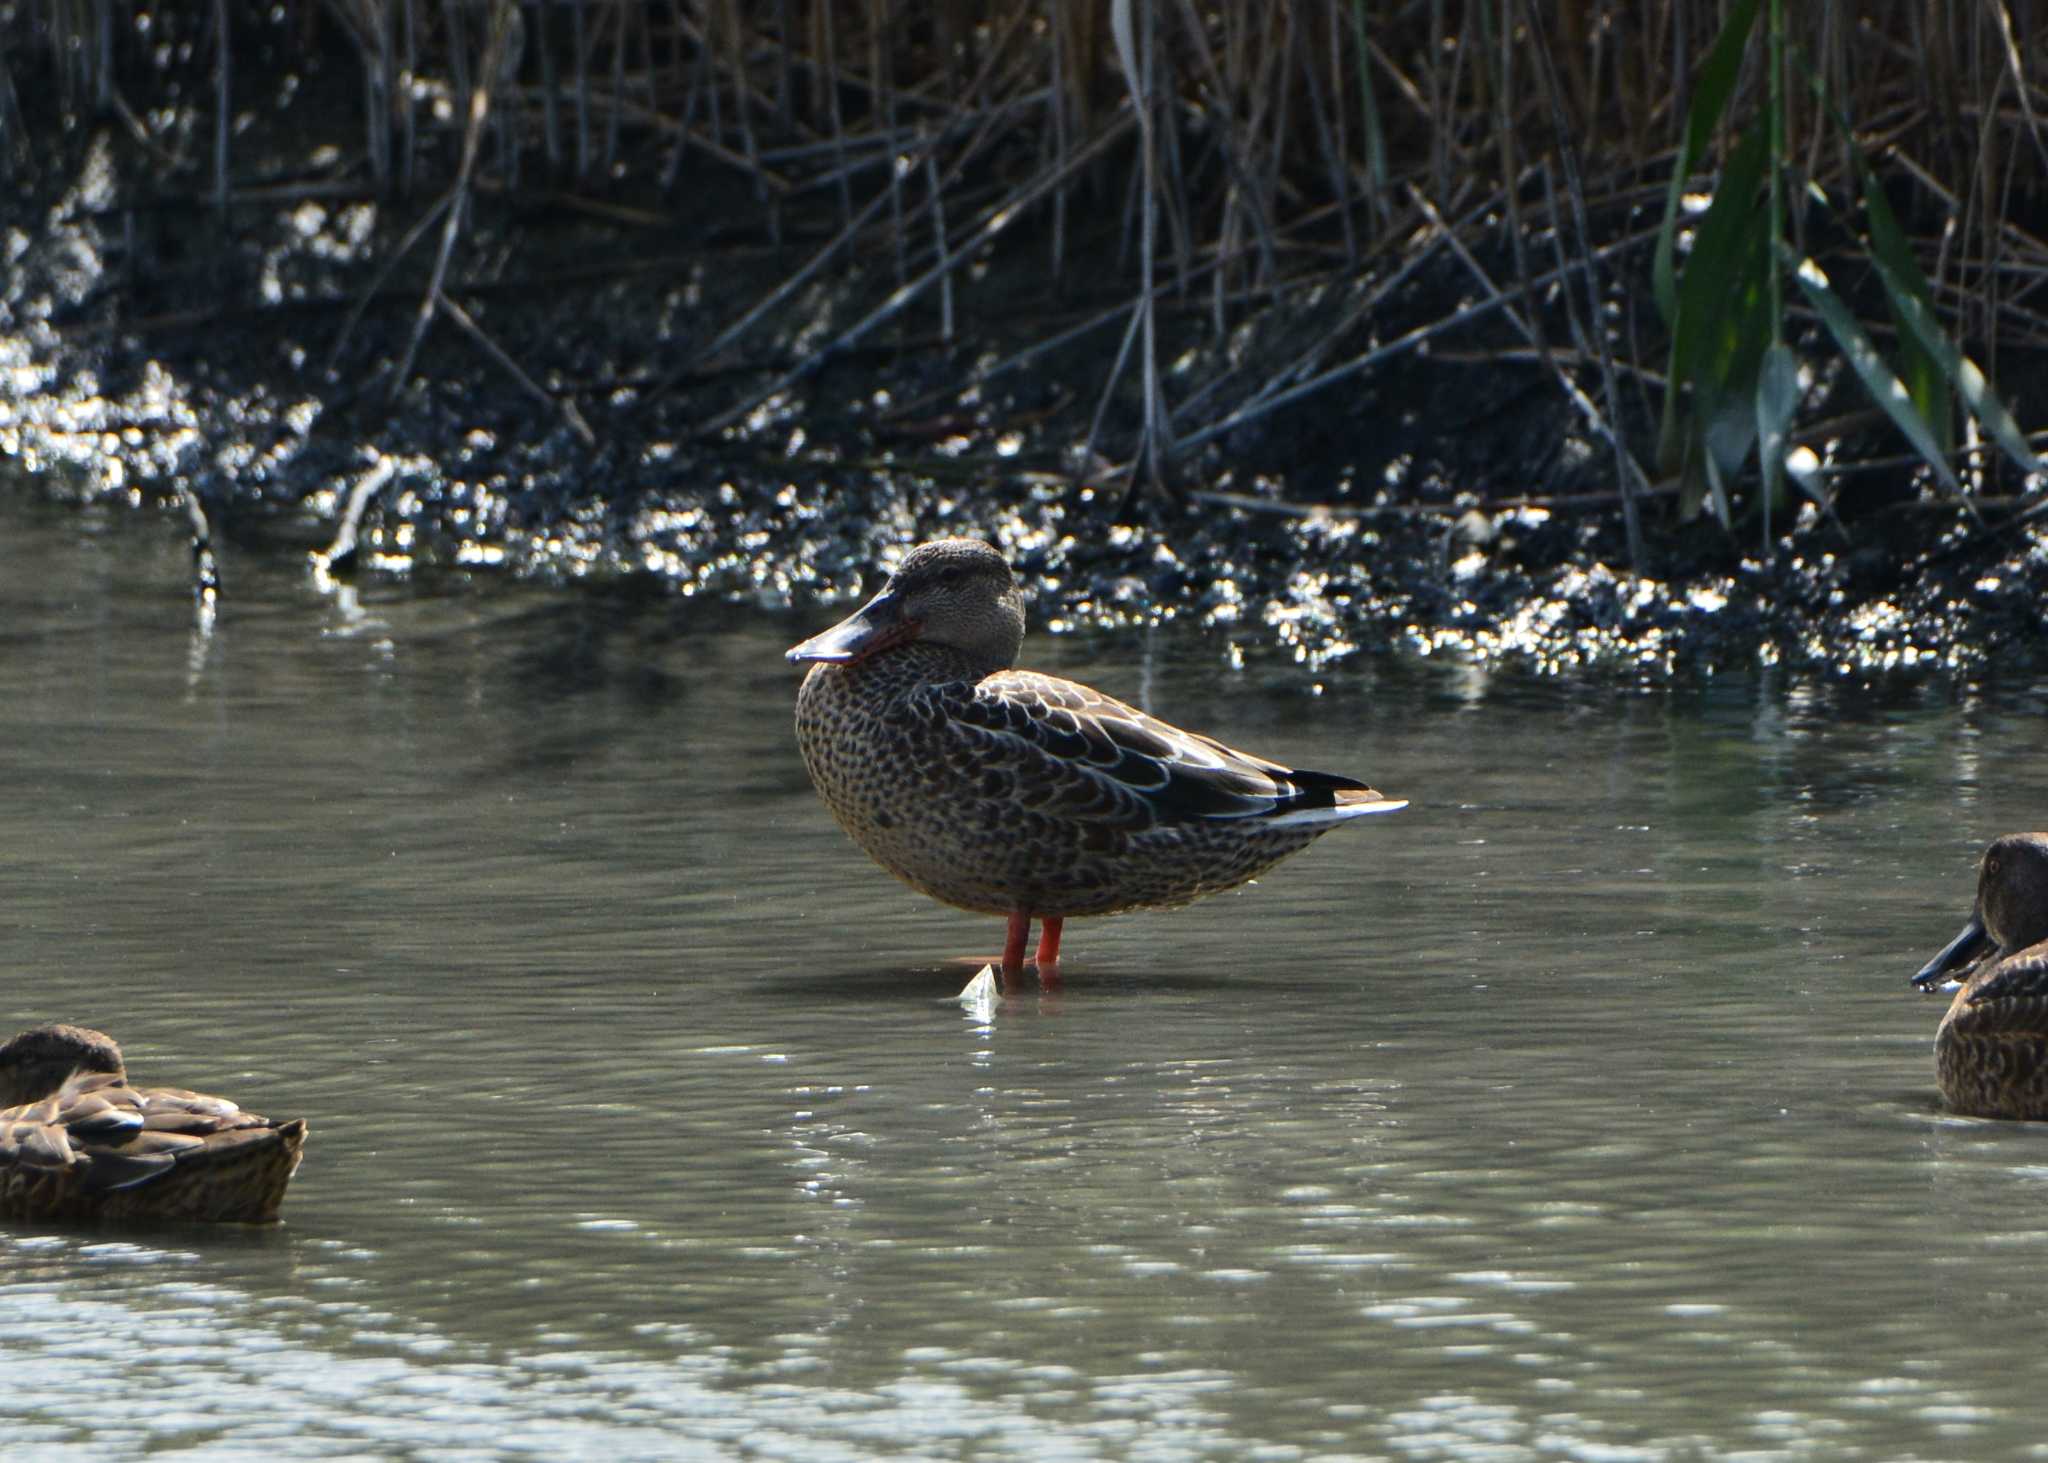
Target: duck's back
{"points": [[1020, 791], [99, 1148]]}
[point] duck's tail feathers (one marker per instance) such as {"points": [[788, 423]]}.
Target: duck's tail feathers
{"points": [[1350, 802]]}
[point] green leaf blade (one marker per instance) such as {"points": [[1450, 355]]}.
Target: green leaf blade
{"points": [[1884, 387], [1716, 83]]}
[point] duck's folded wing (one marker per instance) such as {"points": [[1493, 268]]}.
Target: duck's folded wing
{"points": [[31, 1137], [99, 1109], [88, 1115], [112, 1136], [1070, 748], [174, 1110]]}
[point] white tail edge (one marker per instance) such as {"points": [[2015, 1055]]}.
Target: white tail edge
{"points": [[1301, 817]]}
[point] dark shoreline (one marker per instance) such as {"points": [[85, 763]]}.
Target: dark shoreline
{"points": [[1447, 503]]}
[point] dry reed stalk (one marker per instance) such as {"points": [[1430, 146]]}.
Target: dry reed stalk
{"points": [[1275, 143]]}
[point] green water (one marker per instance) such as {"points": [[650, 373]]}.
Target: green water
{"points": [[1581, 1110]]}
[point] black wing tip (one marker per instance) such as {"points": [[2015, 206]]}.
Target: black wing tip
{"points": [[1321, 789]]}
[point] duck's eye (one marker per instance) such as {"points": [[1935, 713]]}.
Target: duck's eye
{"points": [[1991, 866]]}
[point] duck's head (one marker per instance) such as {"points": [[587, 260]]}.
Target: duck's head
{"points": [[957, 592], [2011, 912], [36, 1062]]}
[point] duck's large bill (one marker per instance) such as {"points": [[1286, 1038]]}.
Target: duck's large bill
{"points": [[876, 625], [1937, 974]]}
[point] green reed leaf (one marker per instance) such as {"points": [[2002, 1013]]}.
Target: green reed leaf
{"points": [[1711, 91], [1885, 388], [1976, 393]]}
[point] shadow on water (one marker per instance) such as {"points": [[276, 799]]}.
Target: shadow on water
{"points": [[139, 1239], [1076, 981]]}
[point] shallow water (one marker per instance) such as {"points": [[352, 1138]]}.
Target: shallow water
{"points": [[1580, 1110]]}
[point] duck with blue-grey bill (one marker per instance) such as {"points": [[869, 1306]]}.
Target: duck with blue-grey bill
{"points": [[1991, 1049], [1013, 793]]}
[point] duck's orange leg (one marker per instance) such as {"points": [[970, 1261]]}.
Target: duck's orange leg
{"points": [[1013, 947], [1049, 942]]}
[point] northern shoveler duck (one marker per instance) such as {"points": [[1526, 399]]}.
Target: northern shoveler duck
{"points": [[1008, 792], [78, 1142], [1991, 1050]]}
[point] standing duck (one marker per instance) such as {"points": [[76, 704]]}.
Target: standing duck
{"points": [[1991, 1050], [1009, 792], [78, 1142]]}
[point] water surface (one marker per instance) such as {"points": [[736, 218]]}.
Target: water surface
{"points": [[1581, 1110]]}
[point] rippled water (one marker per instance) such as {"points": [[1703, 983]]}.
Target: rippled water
{"points": [[1580, 1110]]}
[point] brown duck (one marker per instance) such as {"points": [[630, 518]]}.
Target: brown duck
{"points": [[77, 1141], [1991, 1050], [1008, 792]]}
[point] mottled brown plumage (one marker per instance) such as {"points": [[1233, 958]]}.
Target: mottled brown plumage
{"points": [[1008, 792], [1991, 1050], [77, 1141]]}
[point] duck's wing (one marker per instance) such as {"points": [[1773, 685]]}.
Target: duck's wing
{"points": [[110, 1135], [174, 1110], [2012, 996], [31, 1137], [89, 1132], [1069, 748]]}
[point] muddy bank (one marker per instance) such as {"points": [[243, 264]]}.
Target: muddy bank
{"points": [[1446, 503]]}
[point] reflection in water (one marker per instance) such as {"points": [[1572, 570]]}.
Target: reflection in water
{"points": [[1588, 1115]]}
